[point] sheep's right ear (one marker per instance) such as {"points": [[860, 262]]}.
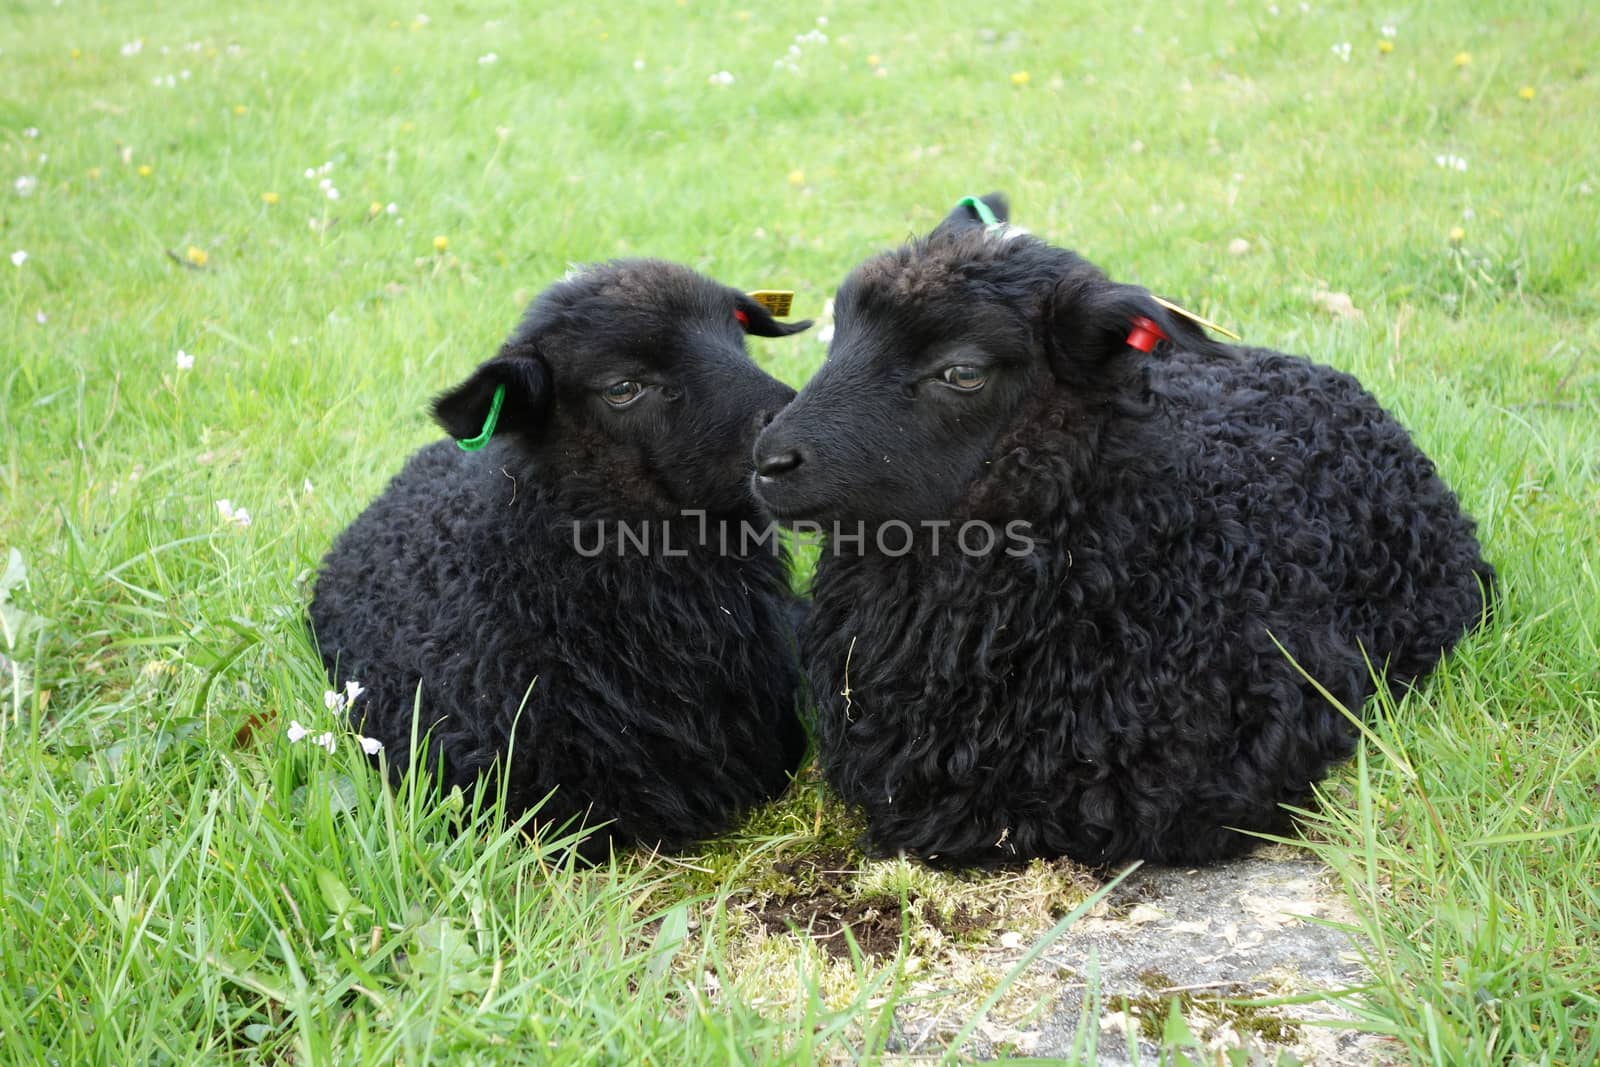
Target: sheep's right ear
{"points": [[1090, 319], [758, 321], [464, 410]]}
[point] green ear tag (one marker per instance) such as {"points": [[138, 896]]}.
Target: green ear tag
{"points": [[986, 214], [475, 443]]}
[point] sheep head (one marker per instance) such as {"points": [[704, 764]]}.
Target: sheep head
{"points": [[628, 385], [940, 349]]}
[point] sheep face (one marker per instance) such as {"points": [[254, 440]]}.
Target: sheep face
{"points": [[628, 384], [939, 349]]}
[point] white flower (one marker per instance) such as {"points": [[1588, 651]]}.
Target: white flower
{"points": [[184, 360], [391, 209], [1450, 161], [232, 515], [18, 258], [31, 131], [370, 745], [721, 77], [39, 317], [487, 58], [333, 194], [638, 64], [297, 733], [326, 740], [1342, 50], [25, 185], [421, 19], [306, 487], [1387, 30], [132, 48], [333, 700], [353, 689]]}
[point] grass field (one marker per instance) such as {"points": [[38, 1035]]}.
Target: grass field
{"points": [[245, 247]]}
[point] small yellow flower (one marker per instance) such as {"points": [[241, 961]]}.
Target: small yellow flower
{"points": [[440, 243], [1385, 46], [197, 256], [1457, 235], [144, 170], [797, 177], [1019, 78], [76, 53], [239, 109], [1526, 93], [93, 172], [269, 198], [874, 60], [1462, 59], [374, 209], [407, 127]]}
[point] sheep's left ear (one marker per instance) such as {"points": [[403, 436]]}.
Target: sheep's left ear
{"points": [[759, 321], [975, 212], [468, 411], [1089, 320]]}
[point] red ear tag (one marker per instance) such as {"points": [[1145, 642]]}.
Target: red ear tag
{"points": [[744, 320], [1145, 334]]}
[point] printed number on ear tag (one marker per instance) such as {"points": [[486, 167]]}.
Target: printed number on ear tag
{"points": [[776, 301]]}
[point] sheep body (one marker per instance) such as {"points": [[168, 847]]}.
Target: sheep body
{"points": [[491, 609], [1120, 692]]}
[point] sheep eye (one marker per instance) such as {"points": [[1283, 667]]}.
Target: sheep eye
{"points": [[965, 377], [621, 394]]}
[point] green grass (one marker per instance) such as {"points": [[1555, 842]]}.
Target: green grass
{"points": [[182, 886]]}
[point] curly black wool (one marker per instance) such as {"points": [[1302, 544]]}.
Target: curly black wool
{"points": [[1116, 689], [652, 687]]}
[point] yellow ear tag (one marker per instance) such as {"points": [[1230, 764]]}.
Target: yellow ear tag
{"points": [[776, 301], [1192, 317]]}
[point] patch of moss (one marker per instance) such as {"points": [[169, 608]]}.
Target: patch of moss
{"points": [[1154, 979], [1212, 1011]]}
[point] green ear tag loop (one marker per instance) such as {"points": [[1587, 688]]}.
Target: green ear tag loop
{"points": [[475, 443], [985, 213]]}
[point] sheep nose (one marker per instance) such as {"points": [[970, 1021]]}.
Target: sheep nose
{"points": [[772, 464]]}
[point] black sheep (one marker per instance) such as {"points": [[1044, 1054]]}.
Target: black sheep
{"points": [[561, 598], [1068, 534]]}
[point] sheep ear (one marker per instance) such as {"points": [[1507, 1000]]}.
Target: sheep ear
{"points": [[759, 321], [1088, 320], [967, 214], [464, 410]]}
